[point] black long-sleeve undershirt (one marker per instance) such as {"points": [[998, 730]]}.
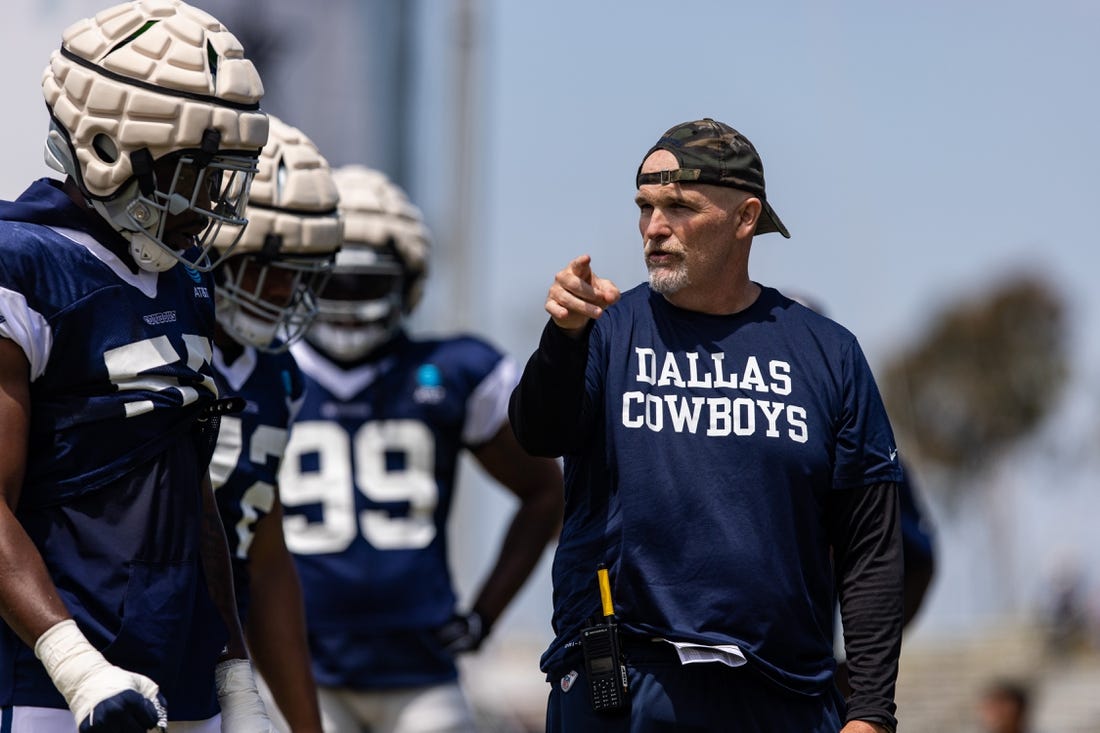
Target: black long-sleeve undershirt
{"points": [[546, 406], [865, 530]]}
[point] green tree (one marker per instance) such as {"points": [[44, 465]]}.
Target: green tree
{"points": [[982, 377]]}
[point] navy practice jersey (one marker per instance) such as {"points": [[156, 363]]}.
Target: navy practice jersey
{"points": [[367, 485], [119, 369], [245, 466], [709, 446]]}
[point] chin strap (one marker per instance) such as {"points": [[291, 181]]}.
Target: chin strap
{"points": [[245, 328], [348, 344], [149, 255], [126, 210]]}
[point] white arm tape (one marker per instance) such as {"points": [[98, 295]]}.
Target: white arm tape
{"points": [[242, 708], [81, 674]]}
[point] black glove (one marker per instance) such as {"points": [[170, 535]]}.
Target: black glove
{"points": [[463, 633], [126, 711]]}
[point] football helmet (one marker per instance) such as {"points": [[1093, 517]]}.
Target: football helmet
{"points": [[380, 270], [265, 291], [154, 113]]}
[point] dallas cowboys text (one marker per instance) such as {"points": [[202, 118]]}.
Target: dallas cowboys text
{"points": [[718, 415]]}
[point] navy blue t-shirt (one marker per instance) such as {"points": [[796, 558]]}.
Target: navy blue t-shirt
{"points": [[707, 449]]}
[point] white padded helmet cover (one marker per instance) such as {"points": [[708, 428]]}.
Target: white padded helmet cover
{"points": [[293, 195], [152, 74]]}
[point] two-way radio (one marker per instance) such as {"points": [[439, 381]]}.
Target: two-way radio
{"points": [[607, 681]]}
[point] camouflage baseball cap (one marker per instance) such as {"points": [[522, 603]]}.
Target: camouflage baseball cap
{"points": [[713, 152]]}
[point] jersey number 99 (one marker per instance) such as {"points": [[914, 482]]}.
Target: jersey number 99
{"points": [[360, 462]]}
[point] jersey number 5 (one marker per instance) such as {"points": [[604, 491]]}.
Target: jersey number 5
{"points": [[129, 368], [392, 460]]}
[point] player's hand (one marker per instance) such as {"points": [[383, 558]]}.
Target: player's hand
{"points": [[242, 709], [463, 633], [578, 295], [102, 697], [129, 710]]}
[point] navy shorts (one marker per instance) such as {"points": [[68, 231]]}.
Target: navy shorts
{"points": [[668, 696]]}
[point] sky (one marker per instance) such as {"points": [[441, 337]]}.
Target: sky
{"points": [[918, 153]]}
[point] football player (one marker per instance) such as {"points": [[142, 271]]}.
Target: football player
{"points": [[369, 479], [114, 573], [264, 293]]}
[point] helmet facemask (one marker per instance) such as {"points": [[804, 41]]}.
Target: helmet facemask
{"points": [[269, 302], [174, 208], [361, 306]]}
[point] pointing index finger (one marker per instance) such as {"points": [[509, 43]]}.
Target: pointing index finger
{"points": [[582, 267]]}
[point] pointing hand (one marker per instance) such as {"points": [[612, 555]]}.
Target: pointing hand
{"points": [[578, 295]]}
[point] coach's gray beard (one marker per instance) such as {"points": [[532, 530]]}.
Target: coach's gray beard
{"points": [[666, 280]]}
